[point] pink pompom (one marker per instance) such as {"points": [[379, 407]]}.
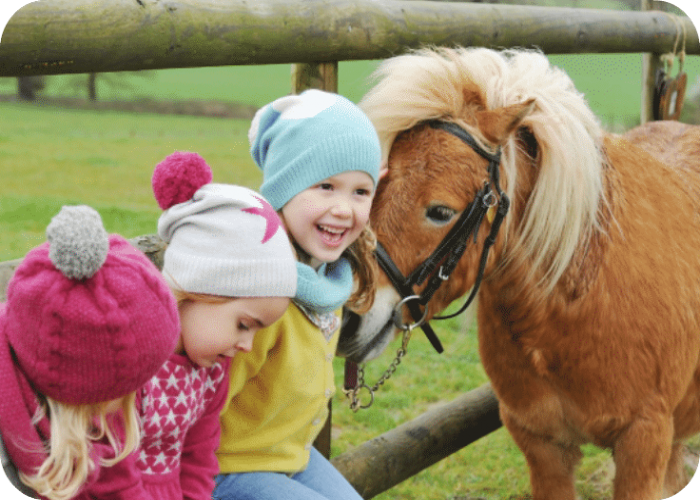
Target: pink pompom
{"points": [[178, 177]]}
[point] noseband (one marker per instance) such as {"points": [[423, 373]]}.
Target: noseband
{"points": [[438, 267]]}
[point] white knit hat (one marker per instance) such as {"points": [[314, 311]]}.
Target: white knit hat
{"points": [[222, 239]]}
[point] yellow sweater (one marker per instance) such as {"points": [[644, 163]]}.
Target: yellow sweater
{"points": [[278, 397]]}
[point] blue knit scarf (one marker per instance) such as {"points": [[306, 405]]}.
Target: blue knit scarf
{"points": [[324, 290]]}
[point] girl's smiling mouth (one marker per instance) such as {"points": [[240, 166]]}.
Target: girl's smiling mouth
{"points": [[331, 235]]}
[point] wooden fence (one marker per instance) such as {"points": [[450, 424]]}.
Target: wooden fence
{"points": [[83, 36], [88, 36]]}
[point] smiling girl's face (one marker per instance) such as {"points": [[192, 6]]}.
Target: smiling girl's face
{"points": [[327, 218]]}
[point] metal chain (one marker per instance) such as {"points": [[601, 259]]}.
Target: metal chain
{"points": [[353, 394]]}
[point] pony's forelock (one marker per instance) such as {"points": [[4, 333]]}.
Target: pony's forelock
{"points": [[564, 205]]}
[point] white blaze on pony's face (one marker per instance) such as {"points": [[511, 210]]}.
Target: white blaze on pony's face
{"points": [[375, 329]]}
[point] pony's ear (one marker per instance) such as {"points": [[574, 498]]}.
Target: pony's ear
{"points": [[383, 169], [498, 124]]}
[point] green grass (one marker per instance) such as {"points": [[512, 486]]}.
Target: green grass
{"points": [[256, 85], [50, 157]]}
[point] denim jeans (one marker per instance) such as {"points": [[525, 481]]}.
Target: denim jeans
{"points": [[319, 481]]}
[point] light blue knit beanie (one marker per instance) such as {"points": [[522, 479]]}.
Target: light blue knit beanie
{"points": [[299, 140]]}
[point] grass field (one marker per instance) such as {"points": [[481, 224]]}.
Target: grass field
{"points": [[51, 156]]}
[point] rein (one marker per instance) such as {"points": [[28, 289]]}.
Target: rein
{"points": [[438, 267]]}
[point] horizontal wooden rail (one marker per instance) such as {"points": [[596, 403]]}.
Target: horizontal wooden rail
{"points": [[150, 244], [385, 461], [78, 36]]}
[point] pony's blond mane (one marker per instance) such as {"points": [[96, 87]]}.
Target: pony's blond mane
{"points": [[564, 205]]}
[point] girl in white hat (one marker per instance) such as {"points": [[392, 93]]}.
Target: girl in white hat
{"points": [[232, 270]]}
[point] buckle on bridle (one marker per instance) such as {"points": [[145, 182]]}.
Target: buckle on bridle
{"points": [[490, 199]]}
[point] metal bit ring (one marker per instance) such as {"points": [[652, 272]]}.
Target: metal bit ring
{"points": [[398, 317]]}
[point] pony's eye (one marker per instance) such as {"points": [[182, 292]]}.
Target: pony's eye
{"points": [[440, 214]]}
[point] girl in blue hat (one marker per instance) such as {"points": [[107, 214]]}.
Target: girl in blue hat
{"points": [[320, 158]]}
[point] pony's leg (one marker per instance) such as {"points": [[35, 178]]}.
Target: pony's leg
{"points": [[676, 475], [641, 456], [551, 464]]}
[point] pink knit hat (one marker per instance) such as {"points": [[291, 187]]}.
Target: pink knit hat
{"points": [[88, 317]]}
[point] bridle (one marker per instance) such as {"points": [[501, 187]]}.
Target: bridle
{"points": [[438, 267]]}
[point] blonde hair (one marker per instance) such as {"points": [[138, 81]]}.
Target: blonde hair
{"points": [[182, 296], [364, 267], [73, 429]]}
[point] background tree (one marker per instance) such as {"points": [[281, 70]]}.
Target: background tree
{"points": [[29, 86]]}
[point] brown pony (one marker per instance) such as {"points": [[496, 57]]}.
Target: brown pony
{"points": [[589, 310]]}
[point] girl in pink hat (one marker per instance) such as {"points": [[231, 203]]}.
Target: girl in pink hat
{"points": [[232, 271], [88, 320]]}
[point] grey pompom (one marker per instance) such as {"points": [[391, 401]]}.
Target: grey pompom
{"points": [[78, 242]]}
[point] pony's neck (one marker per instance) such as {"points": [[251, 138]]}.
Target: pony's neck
{"points": [[520, 288]]}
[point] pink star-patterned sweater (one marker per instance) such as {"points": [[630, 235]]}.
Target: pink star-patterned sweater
{"points": [[179, 410]]}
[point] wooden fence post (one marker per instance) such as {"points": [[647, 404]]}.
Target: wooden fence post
{"points": [[322, 76], [650, 64]]}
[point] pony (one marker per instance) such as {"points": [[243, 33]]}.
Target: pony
{"points": [[589, 308]]}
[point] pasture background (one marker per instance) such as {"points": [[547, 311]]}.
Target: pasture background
{"points": [[51, 156]]}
